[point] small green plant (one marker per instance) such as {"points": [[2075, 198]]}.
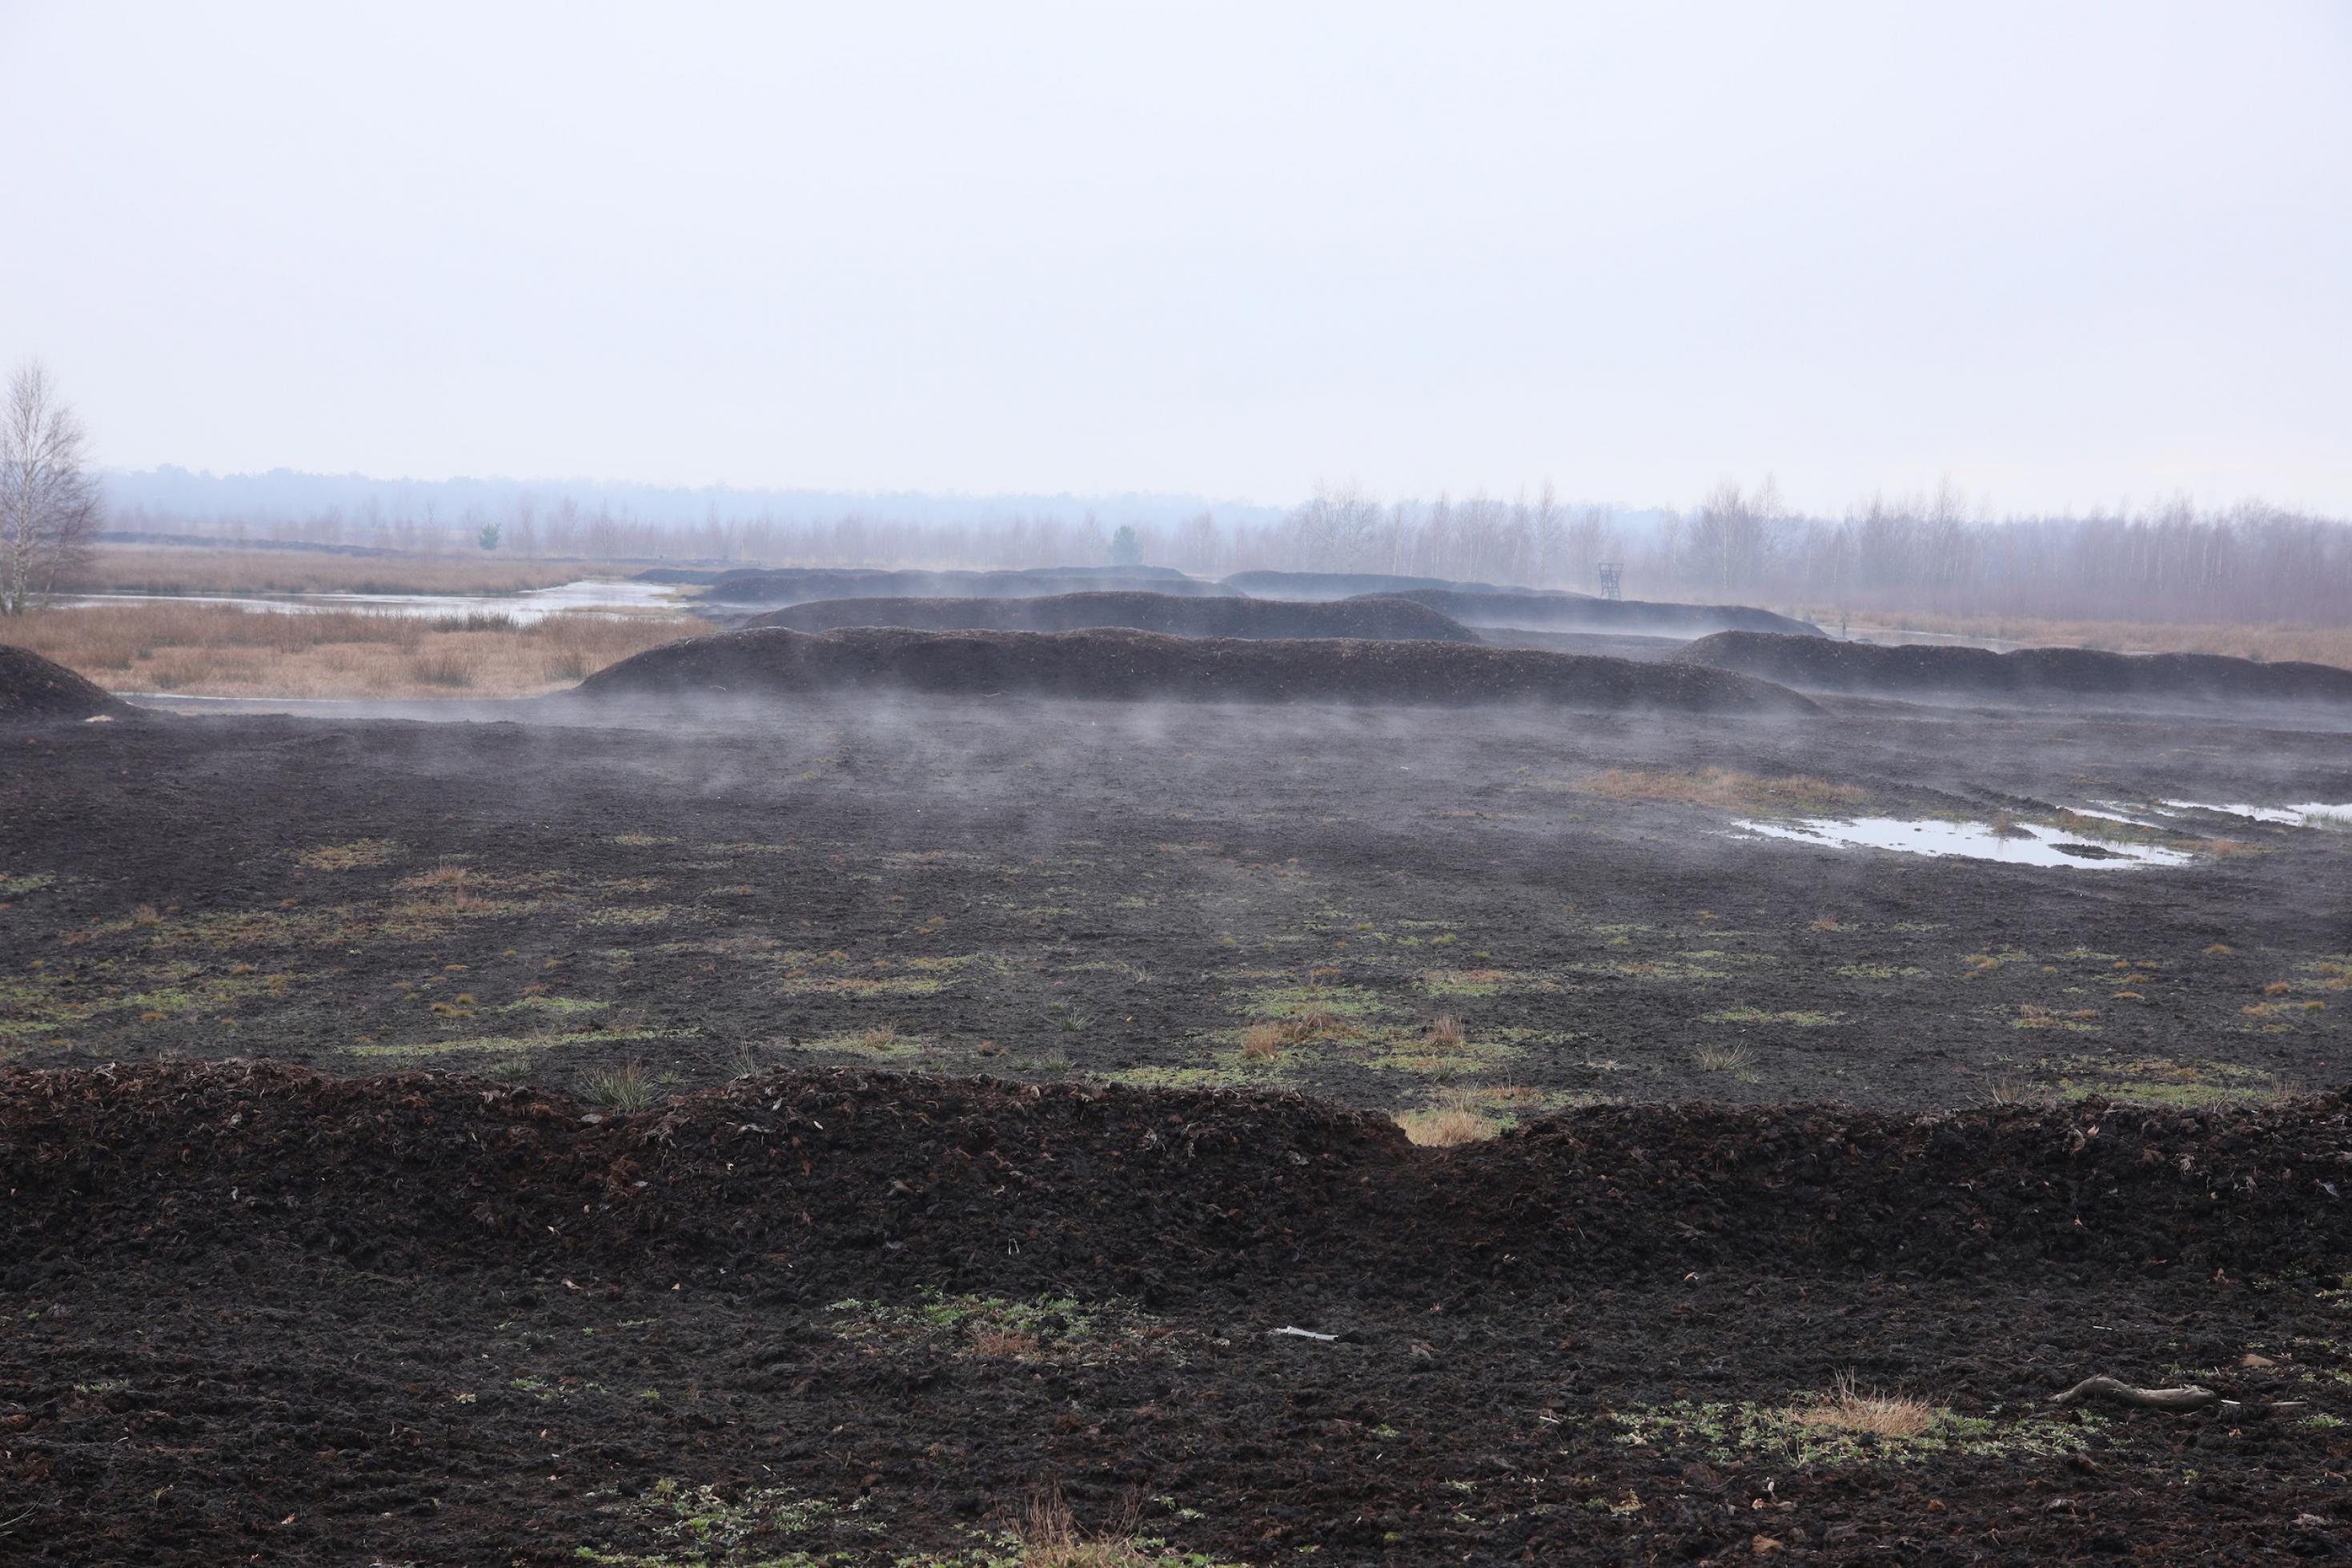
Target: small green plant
{"points": [[627, 1087]]}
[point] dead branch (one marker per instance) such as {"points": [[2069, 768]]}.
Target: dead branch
{"points": [[2182, 1400]]}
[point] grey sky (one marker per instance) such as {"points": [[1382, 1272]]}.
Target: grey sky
{"points": [[2065, 254]]}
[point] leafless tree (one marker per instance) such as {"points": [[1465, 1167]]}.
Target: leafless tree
{"points": [[49, 502]]}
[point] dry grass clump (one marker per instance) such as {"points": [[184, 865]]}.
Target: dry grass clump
{"points": [[1736, 1060], [1449, 1124], [1265, 1041], [1850, 1407], [1724, 790], [451, 885], [222, 650], [184, 569], [1052, 1538], [355, 855], [1012, 1344], [1446, 1033]]}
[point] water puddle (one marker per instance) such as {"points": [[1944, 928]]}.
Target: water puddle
{"points": [[2113, 811], [2025, 844], [535, 604], [2310, 814]]}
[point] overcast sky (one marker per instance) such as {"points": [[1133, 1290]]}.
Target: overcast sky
{"points": [[2065, 253]]}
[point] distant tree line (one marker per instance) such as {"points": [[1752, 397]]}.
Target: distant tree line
{"points": [[2250, 562]]}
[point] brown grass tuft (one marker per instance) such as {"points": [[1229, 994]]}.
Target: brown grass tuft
{"points": [[1052, 1538], [1446, 1033], [1449, 1124], [450, 884], [1265, 1041], [1851, 1408], [1000, 1342]]}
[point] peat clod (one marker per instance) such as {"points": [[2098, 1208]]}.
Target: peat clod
{"points": [[1124, 665], [2033, 675], [35, 690], [1624, 617], [851, 1180], [801, 585], [1315, 585], [1387, 618]]}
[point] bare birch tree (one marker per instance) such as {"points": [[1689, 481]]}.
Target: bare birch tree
{"points": [[49, 502]]}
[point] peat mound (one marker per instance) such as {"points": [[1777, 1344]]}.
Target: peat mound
{"points": [[2033, 673], [818, 1181], [1124, 665], [683, 574], [36, 690], [799, 585], [1397, 619], [1625, 617], [1312, 585]]}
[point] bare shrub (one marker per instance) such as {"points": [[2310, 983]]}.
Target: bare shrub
{"points": [[48, 501]]}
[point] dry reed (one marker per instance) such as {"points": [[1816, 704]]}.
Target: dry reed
{"points": [[2314, 644], [166, 568], [221, 650]]}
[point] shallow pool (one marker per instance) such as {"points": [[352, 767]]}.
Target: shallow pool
{"points": [[2023, 845]]}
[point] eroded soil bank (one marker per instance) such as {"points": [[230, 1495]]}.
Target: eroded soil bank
{"points": [[862, 1316]]}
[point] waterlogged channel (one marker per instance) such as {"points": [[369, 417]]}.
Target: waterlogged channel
{"points": [[2023, 844], [2310, 814], [533, 605]]}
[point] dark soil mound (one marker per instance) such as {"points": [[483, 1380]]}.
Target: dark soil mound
{"points": [[33, 689], [1626, 617], [801, 585], [2032, 673], [688, 574], [846, 1180], [1350, 584], [1396, 619], [1144, 666]]}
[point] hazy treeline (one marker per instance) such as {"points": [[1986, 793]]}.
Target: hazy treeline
{"points": [[2250, 562]]}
